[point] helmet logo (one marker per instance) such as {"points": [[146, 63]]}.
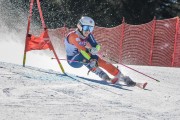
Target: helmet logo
{"points": [[90, 21]]}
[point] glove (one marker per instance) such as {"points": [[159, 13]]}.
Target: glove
{"points": [[93, 50]]}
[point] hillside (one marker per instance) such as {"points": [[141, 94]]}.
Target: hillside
{"points": [[39, 94]]}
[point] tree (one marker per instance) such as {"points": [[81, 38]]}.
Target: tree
{"points": [[106, 13]]}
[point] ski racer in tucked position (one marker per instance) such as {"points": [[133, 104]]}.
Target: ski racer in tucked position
{"points": [[76, 50]]}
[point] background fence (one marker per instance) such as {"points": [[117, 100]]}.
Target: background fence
{"points": [[156, 43]]}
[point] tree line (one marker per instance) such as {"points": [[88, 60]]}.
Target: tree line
{"points": [[106, 13]]}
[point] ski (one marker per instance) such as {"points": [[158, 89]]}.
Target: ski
{"points": [[141, 85], [113, 82]]}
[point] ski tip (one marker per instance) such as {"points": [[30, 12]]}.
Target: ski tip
{"points": [[144, 85]]}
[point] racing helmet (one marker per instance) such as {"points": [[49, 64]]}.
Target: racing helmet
{"points": [[86, 24]]}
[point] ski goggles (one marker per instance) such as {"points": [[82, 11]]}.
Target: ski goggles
{"points": [[87, 28]]}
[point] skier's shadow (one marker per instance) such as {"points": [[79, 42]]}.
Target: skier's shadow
{"points": [[45, 71], [119, 86]]}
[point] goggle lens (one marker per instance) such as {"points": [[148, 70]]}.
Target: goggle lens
{"points": [[87, 28]]}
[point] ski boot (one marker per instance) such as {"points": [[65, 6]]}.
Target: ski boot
{"points": [[126, 79], [98, 71], [129, 82]]}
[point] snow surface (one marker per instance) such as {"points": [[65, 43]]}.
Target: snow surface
{"points": [[45, 93]]}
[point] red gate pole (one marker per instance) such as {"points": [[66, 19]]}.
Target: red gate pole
{"points": [[41, 15], [28, 28], [44, 26]]}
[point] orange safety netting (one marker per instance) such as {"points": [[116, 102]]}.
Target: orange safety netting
{"points": [[156, 43]]}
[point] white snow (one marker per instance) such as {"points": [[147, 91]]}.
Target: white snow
{"points": [[44, 93]]}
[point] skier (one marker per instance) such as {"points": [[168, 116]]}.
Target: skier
{"points": [[76, 50]]}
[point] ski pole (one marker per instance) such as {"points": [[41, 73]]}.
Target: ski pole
{"points": [[120, 64], [139, 72], [71, 60], [135, 70]]}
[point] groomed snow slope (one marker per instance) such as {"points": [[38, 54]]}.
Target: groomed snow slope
{"points": [[29, 93]]}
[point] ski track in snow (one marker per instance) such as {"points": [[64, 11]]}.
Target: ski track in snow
{"points": [[29, 93]]}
